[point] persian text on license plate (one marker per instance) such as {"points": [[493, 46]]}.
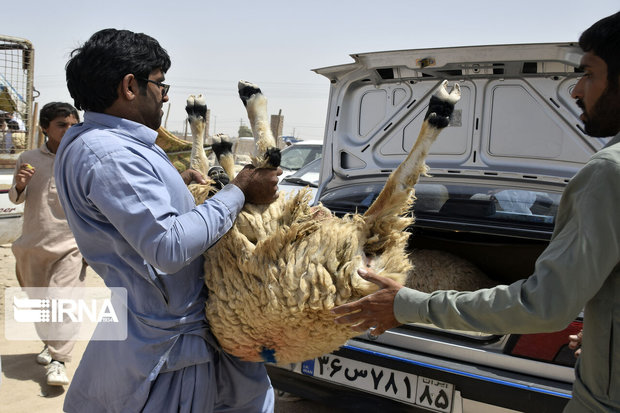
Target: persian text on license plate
{"points": [[410, 388]]}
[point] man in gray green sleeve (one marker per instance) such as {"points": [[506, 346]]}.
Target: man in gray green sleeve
{"points": [[579, 269]]}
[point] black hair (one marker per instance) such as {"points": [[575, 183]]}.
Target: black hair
{"points": [[603, 39], [12, 124], [95, 70], [52, 110]]}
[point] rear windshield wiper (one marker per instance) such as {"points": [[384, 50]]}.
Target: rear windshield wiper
{"points": [[300, 181]]}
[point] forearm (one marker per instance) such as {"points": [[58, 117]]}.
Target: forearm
{"points": [[16, 196], [190, 234], [17, 192], [155, 215], [584, 250], [500, 310]]}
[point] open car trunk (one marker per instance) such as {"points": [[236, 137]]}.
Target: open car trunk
{"points": [[497, 173]]}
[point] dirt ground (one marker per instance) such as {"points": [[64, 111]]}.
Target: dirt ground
{"points": [[23, 387]]}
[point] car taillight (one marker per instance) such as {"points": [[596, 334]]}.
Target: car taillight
{"points": [[549, 347]]}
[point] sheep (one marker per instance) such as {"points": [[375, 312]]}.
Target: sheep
{"points": [[440, 270], [275, 276]]}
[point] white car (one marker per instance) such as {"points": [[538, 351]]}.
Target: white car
{"points": [[306, 177], [11, 215], [298, 155]]}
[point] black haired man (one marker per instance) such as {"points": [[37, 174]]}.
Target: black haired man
{"points": [[137, 226]]}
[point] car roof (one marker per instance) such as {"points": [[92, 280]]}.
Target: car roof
{"points": [[308, 142]]}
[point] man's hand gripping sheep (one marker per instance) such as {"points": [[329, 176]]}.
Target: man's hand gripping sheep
{"points": [[274, 278], [218, 176]]}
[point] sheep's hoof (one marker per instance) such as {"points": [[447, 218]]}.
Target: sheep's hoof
{"points": [[196, 108], [247, 90], [442, 104], [273, 157], [221, 145]]}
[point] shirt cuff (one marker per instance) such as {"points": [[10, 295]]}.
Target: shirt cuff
{"points": [[407, 305], [232, 197], [16, 198]]}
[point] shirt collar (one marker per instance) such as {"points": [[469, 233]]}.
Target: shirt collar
{"points": [[123, 126], [613, 140], [43, 148]]}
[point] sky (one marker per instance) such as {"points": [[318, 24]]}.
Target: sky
{"points": [[276, 44]]}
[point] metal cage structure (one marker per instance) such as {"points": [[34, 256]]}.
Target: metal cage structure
{"points": [[16, 97]]}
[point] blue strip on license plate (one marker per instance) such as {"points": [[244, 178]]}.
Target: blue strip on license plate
{"points": [[409, 388]]}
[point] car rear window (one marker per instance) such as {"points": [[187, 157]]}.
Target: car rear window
{"points": [[500, 204], [488, 202], [296, 156]]}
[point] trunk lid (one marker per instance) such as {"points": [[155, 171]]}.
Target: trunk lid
{"points": [[497, 172]]}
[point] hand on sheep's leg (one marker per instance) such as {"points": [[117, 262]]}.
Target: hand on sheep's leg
{"points": [[259, 185], [192, 175], [375, 310]]}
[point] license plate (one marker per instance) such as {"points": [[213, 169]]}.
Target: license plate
{"points": [[421, 391]]}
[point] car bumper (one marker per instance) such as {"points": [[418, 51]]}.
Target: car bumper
{"points": [[472, 385]]}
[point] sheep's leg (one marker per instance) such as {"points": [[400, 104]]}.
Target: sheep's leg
{"points": [[397, 191], [268, 155], [222, 147], [196, 109]]}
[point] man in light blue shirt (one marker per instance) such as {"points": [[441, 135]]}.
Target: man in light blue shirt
{"points": [[136, 224]]}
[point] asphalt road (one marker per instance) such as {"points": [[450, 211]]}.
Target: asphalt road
{"points": [[287, 403]]}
